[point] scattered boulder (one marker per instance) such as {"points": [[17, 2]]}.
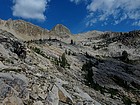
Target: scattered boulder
{"points": [[12, 101], [38, 103], [13, 87], [53, 98]]}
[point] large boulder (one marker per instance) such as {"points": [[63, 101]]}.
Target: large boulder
{"points": [[13, 88]]}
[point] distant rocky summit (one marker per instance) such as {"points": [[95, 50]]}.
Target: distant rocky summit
{"points": [[55, 67], [61, 30]]}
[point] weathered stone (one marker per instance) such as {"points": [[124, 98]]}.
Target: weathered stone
{"points": [[13, 85], [12, 101], [53, 98], [38, 103], [64, 98]]}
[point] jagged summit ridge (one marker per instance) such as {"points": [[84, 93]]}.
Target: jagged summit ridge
{"points": [[23, 30], [28, 31]]}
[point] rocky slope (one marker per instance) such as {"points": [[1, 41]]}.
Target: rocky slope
{"points": [[93, 68]]}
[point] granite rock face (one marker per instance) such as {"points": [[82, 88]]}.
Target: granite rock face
{"points": [[98, 68], [13, 89]]}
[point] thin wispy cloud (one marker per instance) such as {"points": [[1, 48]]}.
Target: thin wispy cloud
{"points": [[30, 9], [111, 11], [78, 1], [137, 23], [114, 11]]}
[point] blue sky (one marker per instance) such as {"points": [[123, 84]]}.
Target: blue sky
{"points": [[77, 15]]}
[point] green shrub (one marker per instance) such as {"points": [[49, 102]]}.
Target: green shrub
{"points": [[137, 103], [38, 51], [87, 67], [126, 100], [63, 61], [119, 81], [124, 57], [71, 42]]}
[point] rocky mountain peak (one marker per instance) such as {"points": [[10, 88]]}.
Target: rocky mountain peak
{"points": [[28, 31], [24, 30], [61, 30]]}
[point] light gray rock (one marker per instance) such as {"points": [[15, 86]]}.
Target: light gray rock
{"points": [[38, 103], [53, 98], [14, 85], [12, 101]]}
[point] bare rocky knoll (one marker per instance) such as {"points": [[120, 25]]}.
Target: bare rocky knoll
{"points": [[42, 67]]}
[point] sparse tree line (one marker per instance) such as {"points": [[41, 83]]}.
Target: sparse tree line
{"points": [[61, 61], [43, 41], [89, 81], [127, 39]]}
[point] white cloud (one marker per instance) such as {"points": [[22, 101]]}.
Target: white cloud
{"points": [[91, 22], [114, 11], [30, 9], [78, 1], [137, 23]]}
